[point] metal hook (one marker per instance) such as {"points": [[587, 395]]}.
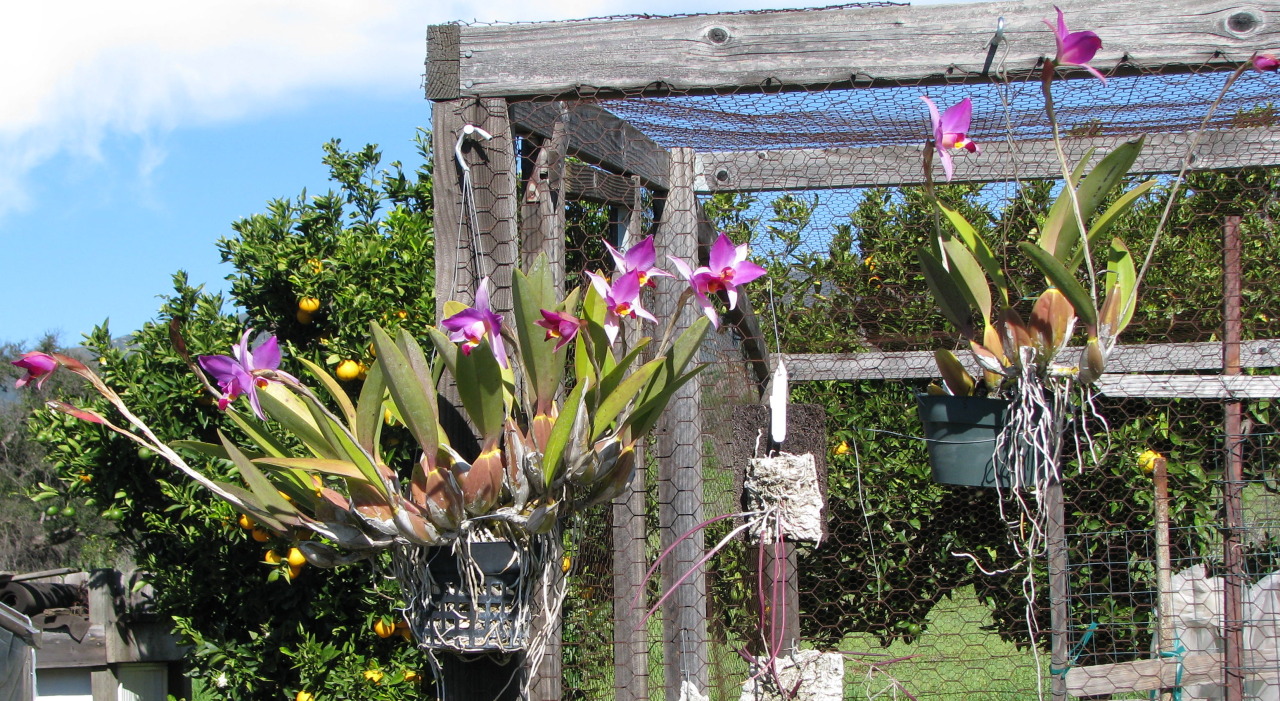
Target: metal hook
{"points": [[472, 131], [993, 45]]}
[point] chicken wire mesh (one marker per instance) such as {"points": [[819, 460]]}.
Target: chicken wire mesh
{"points": [[918, 585]]}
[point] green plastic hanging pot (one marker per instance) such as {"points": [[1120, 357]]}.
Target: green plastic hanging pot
{"points": [[961, 433]]}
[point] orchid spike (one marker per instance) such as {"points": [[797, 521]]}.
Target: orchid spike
{"points": [[561, 327], [1266, 62], [727, 268], [641, 257], [244, 373], [474, 324], [950, 131], [1075, 48], [622, 298], [38, 366]]}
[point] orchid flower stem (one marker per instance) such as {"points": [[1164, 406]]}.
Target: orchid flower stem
{"points": [[1046, 86], [671, 323], [1182, 172]]}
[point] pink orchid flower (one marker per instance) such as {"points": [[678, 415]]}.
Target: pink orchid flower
{"points": [[620, 299], [641, 257], [474, 324], [950, 131], [1075, 48], [727, 268], [38, 366], [562, 327], [244, 373], [1266, 62]]}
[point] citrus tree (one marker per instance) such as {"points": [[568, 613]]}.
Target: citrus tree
{"points": [[315, 270]]}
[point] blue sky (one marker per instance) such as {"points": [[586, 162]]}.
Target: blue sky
{"points": [[133, 135]]}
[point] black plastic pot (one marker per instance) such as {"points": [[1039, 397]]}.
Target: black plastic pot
{"points": [[961, 433], [484, 619]]}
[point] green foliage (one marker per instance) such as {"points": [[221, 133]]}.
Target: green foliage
{"points": [[260, 630]]}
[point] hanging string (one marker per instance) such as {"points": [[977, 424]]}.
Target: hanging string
{"points": [[468, 214]]}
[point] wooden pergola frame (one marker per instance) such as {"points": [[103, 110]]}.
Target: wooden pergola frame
{"points": [[528, 83]]}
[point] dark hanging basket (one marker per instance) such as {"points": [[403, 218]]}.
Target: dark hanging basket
{"points": [[961, 433], [480, 615]]}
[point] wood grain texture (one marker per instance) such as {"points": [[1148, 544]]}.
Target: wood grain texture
{"points": [[776, 50], [1210, 387], [1151, 357], [1149, 675], [816, 169], [442, 61], [679, 453], [598, 137]]}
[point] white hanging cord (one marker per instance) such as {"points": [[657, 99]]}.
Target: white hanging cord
{"points": [[468, 211]]}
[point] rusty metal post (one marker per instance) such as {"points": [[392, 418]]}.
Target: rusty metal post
{"points": [[1232, 486], [1164, 564]]}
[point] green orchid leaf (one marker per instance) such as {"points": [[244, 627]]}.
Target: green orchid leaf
{"points": [[677, 358], [954, 376], [368, 421], [1109, 218], [645, 417], [258, 433], [213, 451], [561, 432], [266, 493], [482, 390], [346, 446], [252, 505], [337, 468], [545, 366], [594, 311], [952, 302], [446, 350], [618, 398], [285, 408], [1121, 283], [610, 382], [969, 277], [1063, 280], [981, 251], [334, 389], [583, 369], [414, 398], [1061, 234]]}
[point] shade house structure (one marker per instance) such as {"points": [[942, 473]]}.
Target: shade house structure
{"points": [[796, 130]]}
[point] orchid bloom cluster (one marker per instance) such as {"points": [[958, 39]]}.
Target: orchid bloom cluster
{"points": [[962, 270], [951, 126], [538, 453]]}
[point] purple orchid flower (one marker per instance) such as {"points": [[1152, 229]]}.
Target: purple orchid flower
{"points": [[562, 327], [1075, 48], [473, 324], [1265, 62], [641, 257], [620, 299], [38, 366], [243, 373], [950, 131], [727, 268]]}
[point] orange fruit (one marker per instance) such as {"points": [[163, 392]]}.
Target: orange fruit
{"points": [[383, 628], [303, 317], [348, 370], [304, 696], [272, 558], [260, 534], [296, 558], [245, 522], [308, 305]]}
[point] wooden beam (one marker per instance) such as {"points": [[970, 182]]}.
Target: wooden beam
{"points": [[908, 365], [845, 46], [598, 137], [584, 182], [816, 169], [679, 453], [1220, 387], [1163, 673]]}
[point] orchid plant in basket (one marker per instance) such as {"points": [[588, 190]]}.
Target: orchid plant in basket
{"points": [[313, 459]]}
